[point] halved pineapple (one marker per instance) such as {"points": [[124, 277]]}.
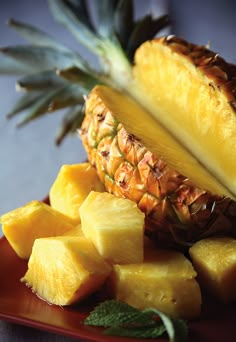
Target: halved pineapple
{"points": [[36, 219], [165, 281], [115, 225], [64, 270], [71, 186], [215, 262]]}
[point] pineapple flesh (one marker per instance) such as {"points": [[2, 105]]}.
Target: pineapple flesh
{"points": [[71, 186], [65, 270], [165, 281], [193, 96], [36, 219], [115, 226], [214, 259]]}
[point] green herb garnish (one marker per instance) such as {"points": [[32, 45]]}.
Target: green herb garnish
{"points": [[121, 319]]}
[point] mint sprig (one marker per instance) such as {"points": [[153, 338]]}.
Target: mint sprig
{"points": [[121, 319]]}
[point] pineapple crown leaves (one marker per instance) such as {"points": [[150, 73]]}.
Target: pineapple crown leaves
{"points": [[54, 77]]}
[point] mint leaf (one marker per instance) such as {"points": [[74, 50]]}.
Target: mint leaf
{"points": [[176, 328], [121, 319], [113, 313]]}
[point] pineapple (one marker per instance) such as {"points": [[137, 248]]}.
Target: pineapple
{"points": [[115, 225], [180, 172], [64, 270], [23, 225], [71, 186], [165, 281], [214, 259]]}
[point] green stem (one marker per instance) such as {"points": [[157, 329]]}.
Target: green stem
{"points": [[117, 65]]}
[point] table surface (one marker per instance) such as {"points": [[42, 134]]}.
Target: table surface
{"points": [[18, 333], [29, 159]]}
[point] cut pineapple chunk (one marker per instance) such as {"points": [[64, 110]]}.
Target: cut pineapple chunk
{"points": [[115, 225], [36, 219], [165, 281], [65, 270], [75, 231], [215, 262], [71, 187]]}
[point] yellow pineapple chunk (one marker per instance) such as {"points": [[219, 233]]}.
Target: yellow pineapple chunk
{"points": [[115, 225], [165, 281], [36, 219], [66, 269], [215, 262], [71, 186], [75, 231]]}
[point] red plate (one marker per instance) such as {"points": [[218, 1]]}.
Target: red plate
{"points": [[19, 305]]}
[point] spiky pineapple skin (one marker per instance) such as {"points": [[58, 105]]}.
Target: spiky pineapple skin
{"points": [[208, 62], [177, 212]]}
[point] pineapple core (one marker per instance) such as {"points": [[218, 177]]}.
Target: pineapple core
{"points": [[215, 262], [36, 219], [64, 270], [115, 225], [71, 186], [165, 281]]}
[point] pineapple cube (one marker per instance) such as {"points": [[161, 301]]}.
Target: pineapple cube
{"points": [[71, 186], [64, 270], [75, 231], [165, 281], [36, 219], [215, 262], [115, 225]]}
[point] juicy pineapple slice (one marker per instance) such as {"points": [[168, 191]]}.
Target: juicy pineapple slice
{"points": [[36, 219], [115, 225], [215, 262], [190, 91], [64, 270], [165, 281], [71, 187]]}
